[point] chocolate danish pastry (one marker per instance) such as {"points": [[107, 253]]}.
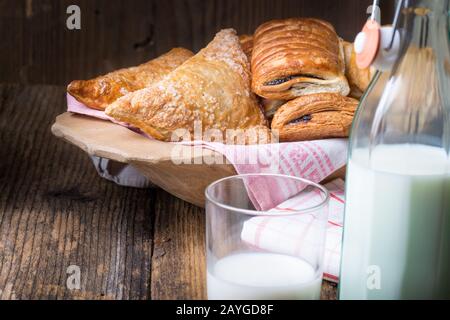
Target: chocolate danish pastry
{"points": [[297, 56], [315, 116]]}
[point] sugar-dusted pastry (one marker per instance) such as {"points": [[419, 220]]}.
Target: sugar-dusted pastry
{"points": [[358, 79], [98, 93], [315, 116], [294, 57], [212, 87], [247, 45]]}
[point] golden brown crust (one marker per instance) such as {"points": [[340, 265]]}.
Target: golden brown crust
{"points": [[315, 116], [358, 79], [306, 49], [212, 87], [100, 92], [247, 45]]}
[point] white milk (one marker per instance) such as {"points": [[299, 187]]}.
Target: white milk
{"points": [[258, 276], [397, 224]]}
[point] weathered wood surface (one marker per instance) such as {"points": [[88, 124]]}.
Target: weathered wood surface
{"points": [[37, 47], [55, 212]]}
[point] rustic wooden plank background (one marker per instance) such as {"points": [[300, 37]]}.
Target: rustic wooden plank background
{"points": [[55, 211], [37, 47]]}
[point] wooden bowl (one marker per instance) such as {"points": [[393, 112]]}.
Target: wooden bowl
{"points": [[155, 159]]}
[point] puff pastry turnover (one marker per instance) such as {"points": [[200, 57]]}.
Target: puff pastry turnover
{"points": [[297, 56], [100, 92], [315, 116], [358, 79], [212, 87], [247, 45]]}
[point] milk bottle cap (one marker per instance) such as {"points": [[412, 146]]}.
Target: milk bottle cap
{"points": [[377, 46]]}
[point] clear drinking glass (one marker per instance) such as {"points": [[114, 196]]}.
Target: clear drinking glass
{"points": [[265, 237]]}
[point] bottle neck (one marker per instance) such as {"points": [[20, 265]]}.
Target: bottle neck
{"points": [[434, 5], [426, 23]]}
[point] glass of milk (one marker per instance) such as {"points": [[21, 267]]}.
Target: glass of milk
{"points": [[265, 237]]}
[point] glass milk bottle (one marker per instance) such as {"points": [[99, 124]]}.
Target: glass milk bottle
{"points": [[396, 242]]}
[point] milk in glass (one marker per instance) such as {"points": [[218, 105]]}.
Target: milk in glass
{"points": [[262, 276]]}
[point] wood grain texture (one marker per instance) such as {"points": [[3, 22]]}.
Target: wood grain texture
{"points": [[37, 47], [329, 291], [55, 211], [178, 264]]}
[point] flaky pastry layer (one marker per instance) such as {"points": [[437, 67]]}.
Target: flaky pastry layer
{"points": [[315, 116], [298, 56], [212, 88], [358, 79], [100, 92]]}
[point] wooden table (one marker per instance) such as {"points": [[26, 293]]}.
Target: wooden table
{"points": [[55, 211]]}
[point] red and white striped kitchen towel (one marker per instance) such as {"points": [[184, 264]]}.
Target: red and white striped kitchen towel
{"points": [[294, 234], [312, 160]]}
